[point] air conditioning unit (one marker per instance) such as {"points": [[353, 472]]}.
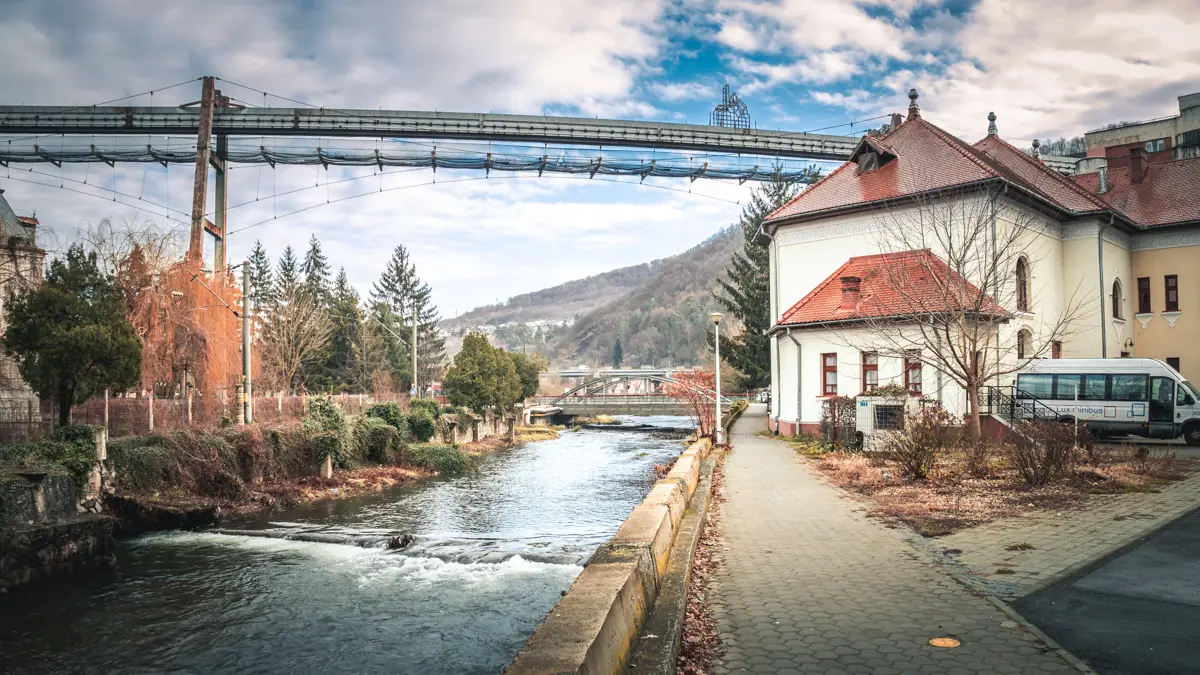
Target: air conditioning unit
{"points": [[878, 416]]}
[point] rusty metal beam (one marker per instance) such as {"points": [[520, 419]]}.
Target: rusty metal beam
{"points": [[222, 205]]}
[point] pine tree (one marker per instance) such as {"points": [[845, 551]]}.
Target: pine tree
{"points": [[401, 290], [287, 275], [746, 292], [316, 272], [262, 279], [347, 326], [618, 354]]}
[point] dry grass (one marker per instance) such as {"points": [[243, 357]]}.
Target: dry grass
{"points": [[954, 497], [536, 433]]}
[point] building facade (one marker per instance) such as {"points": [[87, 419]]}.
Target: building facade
{"points": [[20, 266], [1095, 265]]}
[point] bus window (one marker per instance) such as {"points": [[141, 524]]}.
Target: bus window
{"points": [[1095, 388], [1129, 387], [1066, 386], [1034, 386]]}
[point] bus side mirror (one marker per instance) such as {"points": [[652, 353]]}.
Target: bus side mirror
{"points": [[1188, 400]]}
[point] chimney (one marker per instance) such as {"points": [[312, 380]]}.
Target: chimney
{"points": [[914, 110], [897, 120], [1137, 165], [1103, 179], [1037, 145], [851, 293]]}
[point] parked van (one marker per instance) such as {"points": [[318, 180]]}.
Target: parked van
{"points": [[1113, 397]]}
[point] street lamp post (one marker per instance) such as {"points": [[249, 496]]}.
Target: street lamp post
{"points": [[716, 319]]}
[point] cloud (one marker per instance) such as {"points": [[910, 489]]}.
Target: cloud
{"points": [[1125, 60], [684, 91]]}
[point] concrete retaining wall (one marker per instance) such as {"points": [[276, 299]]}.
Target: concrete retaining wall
{"points": [[595, 626]]}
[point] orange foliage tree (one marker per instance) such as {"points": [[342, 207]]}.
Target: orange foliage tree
{"points": [[694, 388]]}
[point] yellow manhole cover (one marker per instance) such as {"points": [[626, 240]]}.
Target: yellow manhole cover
{"points": [[945, 642]]}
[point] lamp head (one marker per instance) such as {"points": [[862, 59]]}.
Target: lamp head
{"points": [[716, 317]]}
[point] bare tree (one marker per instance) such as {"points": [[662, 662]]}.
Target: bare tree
{"points": [[956, 271], [296, 334]]}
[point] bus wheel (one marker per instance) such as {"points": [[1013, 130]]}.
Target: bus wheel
{"points": [[1066, 420], [1191, 434]]}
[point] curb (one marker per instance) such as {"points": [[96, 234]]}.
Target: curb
{"points": [[657, 649]]}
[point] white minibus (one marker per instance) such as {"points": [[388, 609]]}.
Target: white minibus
{"points": [[1114, 397]]}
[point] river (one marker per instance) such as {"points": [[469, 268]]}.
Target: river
{"points": [[492, 553]]}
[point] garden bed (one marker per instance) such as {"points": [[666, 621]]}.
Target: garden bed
{"points": [[964, 490]]}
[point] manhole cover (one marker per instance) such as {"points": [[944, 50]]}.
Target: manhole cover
{"points": [[944, 642]]}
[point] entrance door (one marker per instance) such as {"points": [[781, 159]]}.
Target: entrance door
{"points": [[1162, 407]]}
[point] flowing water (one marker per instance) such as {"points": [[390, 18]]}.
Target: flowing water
{"points": [[314, 589]]}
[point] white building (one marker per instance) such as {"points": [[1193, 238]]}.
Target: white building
{"points": [[854, 252]]}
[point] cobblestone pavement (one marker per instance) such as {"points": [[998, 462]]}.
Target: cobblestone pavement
{"points": [[811, 585], [1013, 557]]}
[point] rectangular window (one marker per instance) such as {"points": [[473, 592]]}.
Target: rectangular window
{"points": [[1128, 387], [1144, 295], [1095, 388], [1056, 350], [870, 371], [829, 374], [889, 417], [912, 372], [1035, 386], [1066, 386], [1172, 293], [1173, 361]]}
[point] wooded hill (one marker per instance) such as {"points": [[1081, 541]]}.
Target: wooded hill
{"points": [[658, 309]]}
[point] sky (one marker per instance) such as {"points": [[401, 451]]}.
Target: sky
{"points": [[1048, 68]]}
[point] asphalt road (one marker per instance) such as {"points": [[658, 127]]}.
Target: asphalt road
{"points": [[1137, 612]]}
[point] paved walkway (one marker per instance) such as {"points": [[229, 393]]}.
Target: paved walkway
{"points": [[810, 585], [1038, 548]]}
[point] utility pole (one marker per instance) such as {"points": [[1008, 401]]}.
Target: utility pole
{"points": [[416, 391], [247, 389]]}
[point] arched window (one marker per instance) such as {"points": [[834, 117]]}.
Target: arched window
{"points": [[1116, 299], [1022, 285], [1024, 344]]}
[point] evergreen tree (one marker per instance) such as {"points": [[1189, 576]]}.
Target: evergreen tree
{"points": [[618, 354], [69, 335], [261, 277], [347, 326], [401, 290], [316, 272], [746, 292], [287, 275], [483, 377]]}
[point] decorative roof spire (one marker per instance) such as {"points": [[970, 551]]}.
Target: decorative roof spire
{"points": [[914, 110], [992, 130], [1036, 144]]}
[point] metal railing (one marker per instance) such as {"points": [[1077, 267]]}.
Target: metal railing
{"points": [[1012, 404]]}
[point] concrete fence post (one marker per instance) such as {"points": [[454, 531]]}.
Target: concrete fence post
{"points": [[189, 405], [327, 467], [150, 407], [106, 410], [281, 403], [95, 484]]}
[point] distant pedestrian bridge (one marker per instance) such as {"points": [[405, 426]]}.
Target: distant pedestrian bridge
{"points": [[625, 392]]}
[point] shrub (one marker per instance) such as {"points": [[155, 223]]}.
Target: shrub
{"points": [[331, 432], [977, 456], [388, 412], [376, 440], [293, 452], [927, 434], [1043, 451], [890, 390], [427, 404], [446, 460], [71, 449], [421, 425]]}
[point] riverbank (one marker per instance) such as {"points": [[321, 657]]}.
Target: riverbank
{"points": [[177, 507]]}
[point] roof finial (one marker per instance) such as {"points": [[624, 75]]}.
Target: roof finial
{"points": [[992, 130], [1036, 145], [914, 110]]}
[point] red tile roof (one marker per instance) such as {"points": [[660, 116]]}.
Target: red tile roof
{"points": [[1035, 176], [893, 285], [28, 220], [928, 158], [1169, 193]]}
